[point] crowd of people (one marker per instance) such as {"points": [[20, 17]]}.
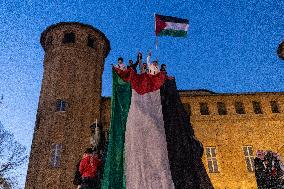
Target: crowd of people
{"points": [[150, 68], [269, 170]]}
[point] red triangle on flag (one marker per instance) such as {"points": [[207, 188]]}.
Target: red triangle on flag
{"points": [[160, 24]]}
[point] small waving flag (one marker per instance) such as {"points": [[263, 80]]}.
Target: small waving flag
{"points": [[170, 26]]}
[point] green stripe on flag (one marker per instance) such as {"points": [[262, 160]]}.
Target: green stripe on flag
{"points": [[114, 176], [174, 33]]}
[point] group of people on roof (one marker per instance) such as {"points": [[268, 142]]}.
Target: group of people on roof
{"points": [[150, 68]]}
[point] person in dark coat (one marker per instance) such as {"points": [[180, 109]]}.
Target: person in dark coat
{"points": [[163, 67], [138, 62]]}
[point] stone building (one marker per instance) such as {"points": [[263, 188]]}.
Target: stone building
{"points": [[70, 101], [231, 127]]}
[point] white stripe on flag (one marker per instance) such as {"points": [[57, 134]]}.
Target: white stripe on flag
{"points": [[146, 154], [176, 26]]}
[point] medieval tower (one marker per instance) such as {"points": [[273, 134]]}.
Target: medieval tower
{"points": [[230, 126], [70, 101]]}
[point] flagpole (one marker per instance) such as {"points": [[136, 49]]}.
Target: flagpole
{"points": [[156, 40]]}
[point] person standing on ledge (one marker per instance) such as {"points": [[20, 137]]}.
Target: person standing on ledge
{"points": [[154, 67], [120, 64], [133, 66]]}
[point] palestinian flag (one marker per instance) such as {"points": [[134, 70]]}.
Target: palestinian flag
{"points": [[113, 176], [151, 143], [170, 26]]}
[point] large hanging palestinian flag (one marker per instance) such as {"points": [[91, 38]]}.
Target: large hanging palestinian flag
{"points": [[113, 176], [159, 147]]}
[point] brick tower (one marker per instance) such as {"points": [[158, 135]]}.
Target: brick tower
{"points": [[69, 102]]}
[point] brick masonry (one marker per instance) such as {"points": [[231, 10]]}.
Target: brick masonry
{"points": [[73, 73]]}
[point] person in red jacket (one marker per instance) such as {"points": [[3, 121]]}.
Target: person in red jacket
{"points": [[89, 166]]}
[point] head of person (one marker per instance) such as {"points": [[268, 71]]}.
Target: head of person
{"points": [[163, 66], [144, 65], [155, 63], [120, 60], [130, 62], [88, 152]]}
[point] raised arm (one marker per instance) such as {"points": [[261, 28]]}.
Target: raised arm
{"points": [[148, 59], [139, 59]]}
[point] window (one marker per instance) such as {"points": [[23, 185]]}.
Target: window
{"points": [[240, 109], [204, 110], [55, 155], [187, 107], [49, 41], [91, 41], [60, 105], [211, 159], [249, 158], [274, 107], [256, 107], [222, 110], [69, 38]]}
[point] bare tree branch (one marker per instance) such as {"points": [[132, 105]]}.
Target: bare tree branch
{"points": [[12, 155], [5, 183]]}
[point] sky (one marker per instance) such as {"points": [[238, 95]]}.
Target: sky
{"points": [[231, 46]]}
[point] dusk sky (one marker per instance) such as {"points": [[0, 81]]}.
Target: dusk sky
{"points": [[231, 46]]}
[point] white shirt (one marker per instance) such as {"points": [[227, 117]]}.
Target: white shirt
{"points": [[121, 66], [153, 70]]}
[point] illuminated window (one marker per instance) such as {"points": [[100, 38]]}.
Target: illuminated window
{"points": [[55, 155], [249, 158], [211, 159]]}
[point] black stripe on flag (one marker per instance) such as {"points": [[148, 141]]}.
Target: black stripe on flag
{"points": [[172, 19]]}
